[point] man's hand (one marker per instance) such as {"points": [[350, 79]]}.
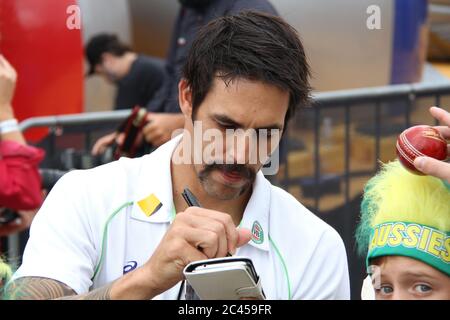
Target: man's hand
{"points": [[432, 166], [160, 127], [157, 132], [195, 234], [8, 79]]}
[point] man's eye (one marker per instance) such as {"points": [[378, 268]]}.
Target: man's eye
{"points": [[264, 133], [226, 126], [422, 288]]}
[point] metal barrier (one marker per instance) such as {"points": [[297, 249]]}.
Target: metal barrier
{"points": [[75, 119], [369, 106], [359, 98]]}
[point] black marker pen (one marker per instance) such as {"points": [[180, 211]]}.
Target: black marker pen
{"points": [[192, 201]]}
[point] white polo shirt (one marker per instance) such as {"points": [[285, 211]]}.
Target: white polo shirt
{"points": [[98, 224]]}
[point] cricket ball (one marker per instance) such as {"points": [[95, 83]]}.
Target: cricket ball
{"points": [[420, 141]]}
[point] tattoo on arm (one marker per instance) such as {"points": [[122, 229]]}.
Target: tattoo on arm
{"points": [[35, 288], [103, 293]]}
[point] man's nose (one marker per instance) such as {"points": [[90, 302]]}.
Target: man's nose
{"points": [[244, 146]]}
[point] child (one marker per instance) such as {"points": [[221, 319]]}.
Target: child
{"points": [[405, 231]]}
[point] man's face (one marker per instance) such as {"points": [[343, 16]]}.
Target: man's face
{"points": [[403, 278], [243, 115], [107, 68]]}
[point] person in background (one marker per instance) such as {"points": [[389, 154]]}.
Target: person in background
{"points": [[136, 76], [20, 181], [164, 111]]}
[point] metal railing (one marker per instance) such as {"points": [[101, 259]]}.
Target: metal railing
{"points": [[74, 119], [347, 99], [350, 103]]}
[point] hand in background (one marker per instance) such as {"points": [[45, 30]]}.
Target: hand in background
{"points": [[161, 126]]}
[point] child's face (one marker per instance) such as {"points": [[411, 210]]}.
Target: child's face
{"points": [[403, 278]]}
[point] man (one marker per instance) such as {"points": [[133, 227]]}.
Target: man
{"points": [[137, 77], [165, 116], [123, 230]]}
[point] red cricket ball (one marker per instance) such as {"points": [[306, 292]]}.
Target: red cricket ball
{"points": [[420, 141]]}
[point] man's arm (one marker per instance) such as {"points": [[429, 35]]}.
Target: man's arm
{"points": [[35, 288], [136, 285], [195, 234]]}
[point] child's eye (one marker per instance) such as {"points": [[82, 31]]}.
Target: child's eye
{"points": [[422, 288], [385, 289]]}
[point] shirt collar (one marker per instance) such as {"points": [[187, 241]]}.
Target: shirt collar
{"points": [[155, 186], [154, 201]]}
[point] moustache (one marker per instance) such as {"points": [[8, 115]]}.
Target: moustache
{"points": [[236, 169]]}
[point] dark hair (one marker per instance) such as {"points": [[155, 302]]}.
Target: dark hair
{"points": [[100, 44], [251, 45]]}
